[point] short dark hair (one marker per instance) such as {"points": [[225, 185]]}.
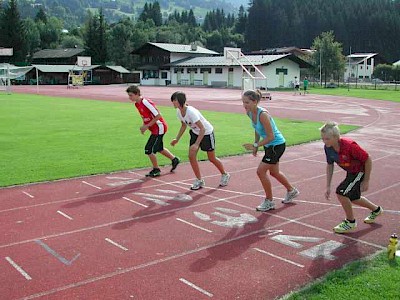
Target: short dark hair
{"points": [[180, 97], [133, 89]]}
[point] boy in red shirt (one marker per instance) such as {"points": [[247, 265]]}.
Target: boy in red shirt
{"points": [[153, 121], [358, 165]]}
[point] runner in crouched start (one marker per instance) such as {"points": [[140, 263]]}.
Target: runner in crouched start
{"points": [[274, 145], [201, 137], [154, 122], [358, 165]]}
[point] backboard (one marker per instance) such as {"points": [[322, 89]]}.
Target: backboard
{"points": [[84, 61], [6, 51], [232, 53]]}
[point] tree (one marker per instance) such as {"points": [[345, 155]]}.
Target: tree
{"points": [[96, 38], [14, 33], [41, 16], [328, 57], [240, 26]]}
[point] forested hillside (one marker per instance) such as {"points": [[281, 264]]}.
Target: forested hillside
{"points": [[74, 12], [363, 25]]}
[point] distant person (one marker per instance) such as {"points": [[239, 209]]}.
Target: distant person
{"points": [[305, 85], [274, 145], [296, 86], [358, 165], [154, 122], [201, 137]]}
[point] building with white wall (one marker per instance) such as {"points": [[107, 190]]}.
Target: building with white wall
{"points": [[188, 65]]}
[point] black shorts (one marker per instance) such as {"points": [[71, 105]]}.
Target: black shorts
{"points": [[154, 144], [273, 154], [206, 144], [350, 187]]}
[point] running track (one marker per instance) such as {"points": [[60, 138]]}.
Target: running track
{"points": [[124, 236]]}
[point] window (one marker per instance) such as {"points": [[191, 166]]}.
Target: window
{"points": [[150, 74], [230, 69], [281, 70], [218, 70], [190, 70], [203, 70], [164, 75], [178, 70]]}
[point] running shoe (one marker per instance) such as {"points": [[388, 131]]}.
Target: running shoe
{"points": [[197, 184], [224, 179], [372, 216], [266, 205], [290, 196], [344, 227], [175, 163], [154, 173]]}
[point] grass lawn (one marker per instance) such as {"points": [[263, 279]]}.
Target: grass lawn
{"points": [[45, 138], [367, 279], [388, 95]]}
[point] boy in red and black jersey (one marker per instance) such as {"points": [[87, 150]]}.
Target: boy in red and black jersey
{"points": [[154, 122], [358, 165]]}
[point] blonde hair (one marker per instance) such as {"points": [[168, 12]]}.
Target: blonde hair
{"points": [[330, 128]]}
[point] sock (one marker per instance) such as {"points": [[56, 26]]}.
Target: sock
{"points": [[351, 221], [377, 210]]}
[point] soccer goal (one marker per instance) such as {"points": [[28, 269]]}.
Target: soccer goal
{"points": [[10, 72]]}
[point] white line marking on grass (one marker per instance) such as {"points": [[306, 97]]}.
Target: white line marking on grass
{"points": [[278, 257], [92, 185], [194, 225], [116, 244], [192, 285], [19, 269], [133, 201], [64, 215], [29, 195]]}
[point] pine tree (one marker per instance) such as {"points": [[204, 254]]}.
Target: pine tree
{"points": [[14, 34]]}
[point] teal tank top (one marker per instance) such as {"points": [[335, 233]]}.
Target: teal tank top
{"points": [[259, 128]]}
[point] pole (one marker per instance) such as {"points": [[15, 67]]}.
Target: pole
{"points": [[320, 67], [348, 78], [37, 80]]}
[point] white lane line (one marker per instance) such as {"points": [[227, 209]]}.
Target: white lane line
{"points": [[194, 225], [133, 201], [64, 215], [29, 195], [116, 244], [278, 257], [19, 269], [196, 287], [92, 185]]}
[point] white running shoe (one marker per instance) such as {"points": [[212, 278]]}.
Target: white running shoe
{"points": [[224, 179], [266, 205], [197, 184], [290, 196]]}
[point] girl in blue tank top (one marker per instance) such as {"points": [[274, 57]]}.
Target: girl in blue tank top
{"points": [[274, 146]]}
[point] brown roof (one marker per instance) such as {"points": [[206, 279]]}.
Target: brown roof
{"points": [[57, 53]]}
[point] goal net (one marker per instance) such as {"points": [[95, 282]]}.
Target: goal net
{"points": [[10, 72]]}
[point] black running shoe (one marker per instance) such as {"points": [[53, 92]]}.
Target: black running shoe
{"points": [[154, 173], [175, 163]]}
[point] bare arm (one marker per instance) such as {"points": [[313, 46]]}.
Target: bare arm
{"points": [[144, 127], [179, 135], [329, 175], [367, 174]]}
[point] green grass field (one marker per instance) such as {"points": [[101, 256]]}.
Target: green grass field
{"points": [[387, 95], [44, 138]]}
